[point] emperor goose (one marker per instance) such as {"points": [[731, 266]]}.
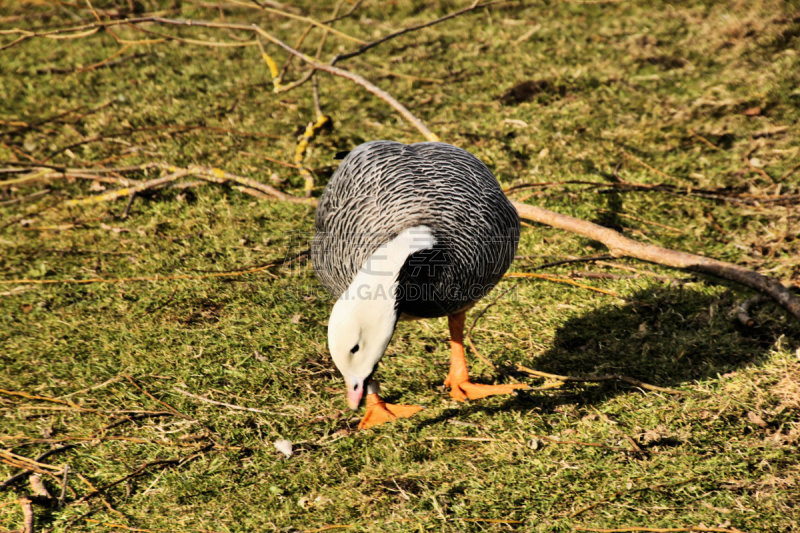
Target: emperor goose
{"points": [[408, 231]]}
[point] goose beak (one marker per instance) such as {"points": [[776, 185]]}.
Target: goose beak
{"points": [[355, 391]]}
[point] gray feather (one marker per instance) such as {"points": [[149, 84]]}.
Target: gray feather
{"points": [[384, 187]]}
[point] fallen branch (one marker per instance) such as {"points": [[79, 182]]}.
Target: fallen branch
{"points": [[22, 394], [216, 175], [359, 80], [355, 78], [210, 174], [620, 246], [165, 404]]}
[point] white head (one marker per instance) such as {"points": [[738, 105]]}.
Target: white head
{"points": [[359, 330], [363, 319]]}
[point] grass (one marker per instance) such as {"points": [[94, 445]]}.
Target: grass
{"points": [[706, 93]]}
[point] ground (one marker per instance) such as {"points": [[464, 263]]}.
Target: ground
{"points": [[675, 123]]}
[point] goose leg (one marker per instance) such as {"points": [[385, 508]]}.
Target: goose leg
{"points": [[458, 378], [379, 412]]}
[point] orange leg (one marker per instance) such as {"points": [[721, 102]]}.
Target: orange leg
{"points": [[458, 378], [379, 412]]}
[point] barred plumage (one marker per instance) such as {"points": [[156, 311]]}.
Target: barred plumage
{"points": [[382, 188]]}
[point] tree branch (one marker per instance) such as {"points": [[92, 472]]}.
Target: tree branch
{"points": [[619, 245]]}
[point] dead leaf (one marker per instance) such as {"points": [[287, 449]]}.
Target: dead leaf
{"points": [[755, 419]]}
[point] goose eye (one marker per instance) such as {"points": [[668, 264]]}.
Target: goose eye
{"points": [[354, 349]]}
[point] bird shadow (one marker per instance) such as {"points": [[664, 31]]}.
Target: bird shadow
{"points": [[667, 336]]}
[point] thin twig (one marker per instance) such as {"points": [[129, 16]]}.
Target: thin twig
{"points": [[17, 477], [359, 80], [165, 404], [129, 191], [25, 198], [557, 279], [26, 463], [703, 140], [28, 396], [478, 354], [653, 169], [223, 404], [92, 488], [588, 258], [592, 379], [475, 5]]}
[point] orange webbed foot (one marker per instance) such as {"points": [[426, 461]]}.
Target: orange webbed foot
{"points": [[466, 390], [380, 412], [461, 388]]}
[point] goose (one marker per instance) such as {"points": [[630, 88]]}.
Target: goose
{"points": [[408, 232]]}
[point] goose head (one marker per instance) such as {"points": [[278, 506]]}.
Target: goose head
{"points": [[359, 330], [363, 319]]}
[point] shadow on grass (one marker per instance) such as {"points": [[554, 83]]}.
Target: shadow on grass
{"points": [[666, 337]]}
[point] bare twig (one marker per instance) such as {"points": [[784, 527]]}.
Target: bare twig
{"points": [[703, 140], [130, 191], [214, 175], [475, 5], [63, 495], [592, 379], [359, 80], [25, 198], [588, 258], [313, 22], [655, 170], [223, 404], [22, 394], [478, 354], [557, 279], [18, 477], [165, 404], [19, 461]]}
